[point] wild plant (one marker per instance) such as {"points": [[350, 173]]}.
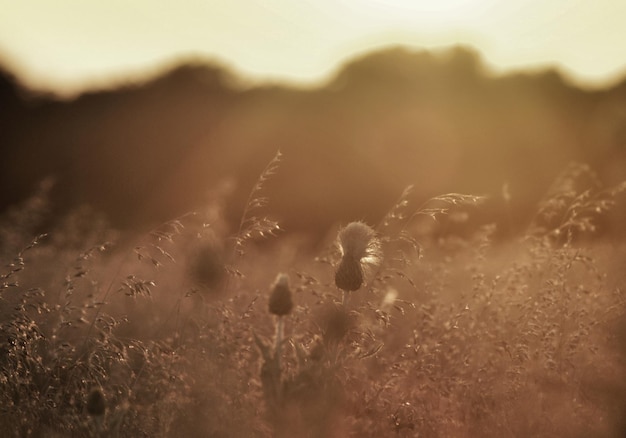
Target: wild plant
{"points": [[574, 205], [359, 248], [74, 336], [251, 225], [180, 334]]}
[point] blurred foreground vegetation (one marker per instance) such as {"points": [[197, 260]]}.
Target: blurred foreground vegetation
{"points": [[168, 333]]}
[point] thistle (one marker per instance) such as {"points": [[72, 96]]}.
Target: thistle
{"points": [[96, 408], [96, 403], [359, 246], [280, 303]]}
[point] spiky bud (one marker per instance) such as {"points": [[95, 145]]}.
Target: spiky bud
{"points": [[280, 302], [349, 274], [337, 323], [358, 245], [96, 403]]}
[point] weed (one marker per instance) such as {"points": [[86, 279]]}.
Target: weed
{"points": [[186, 332]]}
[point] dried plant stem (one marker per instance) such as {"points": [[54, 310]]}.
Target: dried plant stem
{"points": [[253, 201], [98, 430], [278, 340], [250, 224]]}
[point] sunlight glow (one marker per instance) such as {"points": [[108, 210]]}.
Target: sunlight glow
{"points": [[71, 43]]}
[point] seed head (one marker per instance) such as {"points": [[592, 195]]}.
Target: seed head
{"points": [[207, 267], [280, 303], [359, 246], [96, 403], [337, 323]]}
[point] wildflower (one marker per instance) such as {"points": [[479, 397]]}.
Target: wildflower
{"points": [[208, 269], [337, 324], [96, 403], [359, 246], [280, 300], [280, 304]]}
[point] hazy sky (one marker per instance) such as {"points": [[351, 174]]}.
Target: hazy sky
{"points": [[67, 44]]}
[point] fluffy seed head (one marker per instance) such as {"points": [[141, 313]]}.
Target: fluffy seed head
{"points": [[358, 240], [389, 299], [359, 246], [280, 303]]}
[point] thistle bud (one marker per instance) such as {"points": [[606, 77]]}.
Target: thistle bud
{"points": [[280, 303], [337, 323], [359, 246], [96, 403], [349, 274]]}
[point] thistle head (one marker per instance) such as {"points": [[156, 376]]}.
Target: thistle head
{"points": [[280, 303], [96, 403], [359, 246]]}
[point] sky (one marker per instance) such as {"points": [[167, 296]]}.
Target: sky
{"points": [[69, 45]]}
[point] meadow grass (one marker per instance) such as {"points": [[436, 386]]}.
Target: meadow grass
{"points": [[185, 332]]}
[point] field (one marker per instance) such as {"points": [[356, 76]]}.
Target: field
{"points": [[184, 331]]}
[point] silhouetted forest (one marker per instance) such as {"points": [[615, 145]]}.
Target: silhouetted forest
{"points": [[147, 152]]}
